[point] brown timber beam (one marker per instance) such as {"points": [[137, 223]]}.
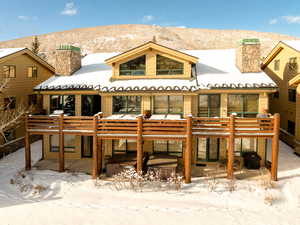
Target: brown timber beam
{"points": [[188, 150], [95, 169], [230, 152], [61, 144], [275, 147], [139, 145], [27, 145]]}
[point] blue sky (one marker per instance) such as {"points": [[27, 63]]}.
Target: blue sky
{"points": [[19, 18]]}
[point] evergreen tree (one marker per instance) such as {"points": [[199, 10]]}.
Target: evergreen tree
{"points": [[35, 45]]}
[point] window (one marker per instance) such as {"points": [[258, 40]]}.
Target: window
{"points": [[32, 71], [276, 94], [32, 100], [291, 127], [63, 102], [9, 103], [166, 66], [209, 105], [243, 105], [90, 105], [292, 95], [168, 104], [135, 67], [124, 146], [69, 143], [127, 104], [277, 65], [208, 149], [244, 145], [293, 63], [9, 71], [168, 147]]}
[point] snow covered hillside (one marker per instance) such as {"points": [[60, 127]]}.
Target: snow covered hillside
{"points": [[47, 197]]}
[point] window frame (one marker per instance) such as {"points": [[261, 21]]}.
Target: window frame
{"points": [[291, 130], [168, 105], [243, 113], [56, 148], [132, 70], [292, 95], [292, 63], [170, 74], [168, 152], [207, 150], [126, 105], [63, 104], [209, 100], [126, 150], [33, 75], [9, 69]]}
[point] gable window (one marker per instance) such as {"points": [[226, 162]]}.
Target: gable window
{"points": [[243, 105], [135, 67], [127, 104], [277, 65], [209, 105], [293, 63], [9, 103], [292, 95], [168, 104], [167, 66], [63, 102], [291, 127], [32, 71], [9, 71]]}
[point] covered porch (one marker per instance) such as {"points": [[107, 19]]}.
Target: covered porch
{"points": [[140, 129]]}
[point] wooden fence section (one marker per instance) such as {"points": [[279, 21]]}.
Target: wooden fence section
{"points": [[141, 129]]}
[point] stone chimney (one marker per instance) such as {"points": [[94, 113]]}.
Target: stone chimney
{"points": [[67, 60], [248, 56]]}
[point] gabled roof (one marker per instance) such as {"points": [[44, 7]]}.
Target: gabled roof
{"points": [[151, 45], [7, 53], [295, 81], [216, 70]]}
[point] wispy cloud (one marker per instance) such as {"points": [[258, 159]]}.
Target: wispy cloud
{"points": [[27, 18], [292, 19], [70, 9], [273, 21], [147, 18]]}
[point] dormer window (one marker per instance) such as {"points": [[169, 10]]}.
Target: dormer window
{"points": [[135, 67], [167, 66]]}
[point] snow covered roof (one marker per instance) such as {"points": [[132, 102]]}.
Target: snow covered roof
{"points": [[8, 51], [295, 44], [215, 69]]}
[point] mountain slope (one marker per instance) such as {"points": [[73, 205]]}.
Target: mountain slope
{"points": [[116, 38]]}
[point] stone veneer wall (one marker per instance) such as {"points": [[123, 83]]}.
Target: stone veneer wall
{"points": [[248, 57], [67, 61]]}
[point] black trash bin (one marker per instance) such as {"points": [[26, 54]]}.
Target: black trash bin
{"points": [[251, 160]]}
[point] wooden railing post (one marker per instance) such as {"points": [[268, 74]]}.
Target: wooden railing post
{"points": [[61, 144], [139, 144], [95, 169], [230, 155], [275, 147], [27, 145], [188, 150]]}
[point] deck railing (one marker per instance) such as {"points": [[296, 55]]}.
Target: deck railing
{"points": [[151, 129]]}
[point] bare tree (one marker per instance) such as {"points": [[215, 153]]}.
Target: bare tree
{"points": [[10, 117]]}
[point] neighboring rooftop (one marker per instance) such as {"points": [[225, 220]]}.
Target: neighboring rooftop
{"points": [[8, 51], [215, 69]]}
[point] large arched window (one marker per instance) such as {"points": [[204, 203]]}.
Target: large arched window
{"points": [[135, 67], [167, 66]]}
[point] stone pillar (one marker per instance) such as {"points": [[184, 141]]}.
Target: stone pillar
{"points": [[67, 60]]}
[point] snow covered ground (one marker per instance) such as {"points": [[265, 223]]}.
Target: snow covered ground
{"points": [[74, 199]]}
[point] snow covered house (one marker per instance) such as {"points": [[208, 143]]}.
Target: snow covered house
{"points": [[165, 85]]}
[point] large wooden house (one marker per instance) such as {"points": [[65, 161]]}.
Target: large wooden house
{"points": [[22, 70], [165, 84]]}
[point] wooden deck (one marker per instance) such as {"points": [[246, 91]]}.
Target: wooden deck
{"points": [[141, 129]]}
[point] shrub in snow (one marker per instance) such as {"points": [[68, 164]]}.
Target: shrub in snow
{"points": [[269, 199], [231, 185], [265, 179]]}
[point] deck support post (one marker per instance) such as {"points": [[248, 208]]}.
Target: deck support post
{"points": [[61, 144], [188, 150], [275, 147], [100, 156], [139, 145], [230, 153], [95, 169], [27, 145]]}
